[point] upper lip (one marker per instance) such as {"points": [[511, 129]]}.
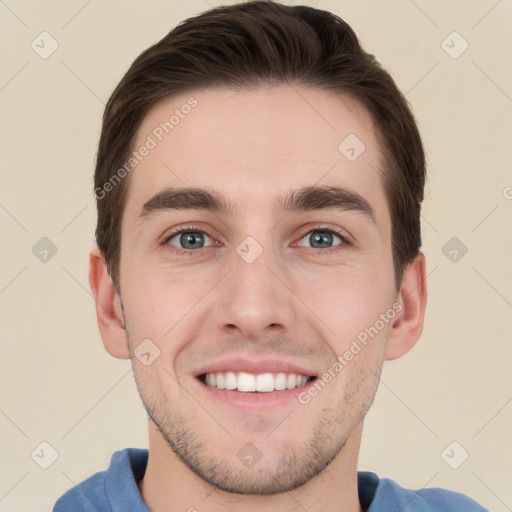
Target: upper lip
{"points": [[242, 364]]}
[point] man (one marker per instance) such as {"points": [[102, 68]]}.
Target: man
{"points": [[259, 181]]}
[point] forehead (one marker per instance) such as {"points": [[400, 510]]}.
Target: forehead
{"points": [[254, 145]]}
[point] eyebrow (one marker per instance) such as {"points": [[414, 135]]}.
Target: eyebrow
{"points": [[298, 200]]}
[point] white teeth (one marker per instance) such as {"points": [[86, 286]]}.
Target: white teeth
{"points": [[264, 382], [230, 380], [221, 381], [280, 382], [291, 381], [248, 382]]}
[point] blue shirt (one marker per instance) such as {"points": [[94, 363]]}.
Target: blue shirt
{"points": [[115, 490]]}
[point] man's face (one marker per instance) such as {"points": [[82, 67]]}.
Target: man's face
{"points": [[259, 289]]}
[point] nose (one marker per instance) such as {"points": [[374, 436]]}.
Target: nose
{"points": [[255, 300]]}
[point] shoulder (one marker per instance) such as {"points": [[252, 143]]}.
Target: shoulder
{"points": [[102, 491], [443, 499], [87, 496], [389, 495]]}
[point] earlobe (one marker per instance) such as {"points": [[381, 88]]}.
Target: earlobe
{"points": [[108, 307], [407, 328]]}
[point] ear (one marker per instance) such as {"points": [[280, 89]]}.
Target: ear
{"points": [[108, 307], [408, 326]]}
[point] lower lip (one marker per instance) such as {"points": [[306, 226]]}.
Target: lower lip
{"points": [[254, 401]]}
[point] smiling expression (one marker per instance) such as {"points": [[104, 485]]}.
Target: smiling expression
{"points": [[251, 244]]}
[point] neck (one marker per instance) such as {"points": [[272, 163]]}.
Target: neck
{"points": [[169, 481]]}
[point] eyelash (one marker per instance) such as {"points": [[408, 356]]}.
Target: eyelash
{"points": [[196, 229]]}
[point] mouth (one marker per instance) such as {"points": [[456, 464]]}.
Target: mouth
{"points": [[245, 382], [255, 384]]}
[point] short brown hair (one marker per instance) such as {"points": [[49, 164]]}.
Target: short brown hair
{"points": [[251, 44]]}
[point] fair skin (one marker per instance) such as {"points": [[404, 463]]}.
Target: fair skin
{"points": [[295, 308]]}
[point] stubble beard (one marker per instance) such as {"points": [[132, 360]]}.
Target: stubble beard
{"points": [[273, 473]]}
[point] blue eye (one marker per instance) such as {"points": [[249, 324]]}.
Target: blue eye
{"points": [[189, 240], [322, 239]]}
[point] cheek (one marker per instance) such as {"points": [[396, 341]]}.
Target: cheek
{"points": [[164, 308], [155, 302], [347, 303]]}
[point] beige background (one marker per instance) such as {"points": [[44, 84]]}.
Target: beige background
{"points": [[58, 383]]}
